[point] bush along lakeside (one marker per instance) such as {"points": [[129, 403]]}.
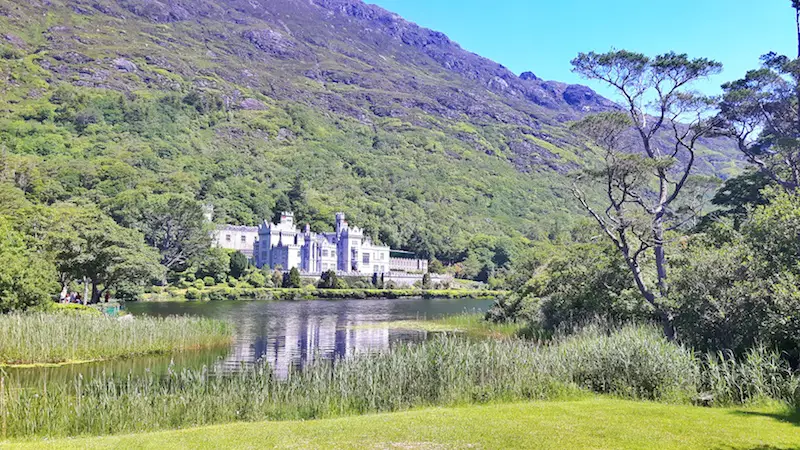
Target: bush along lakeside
{"points": [[46, 338], [632, 362], [220, 293]]}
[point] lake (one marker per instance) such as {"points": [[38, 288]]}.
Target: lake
{"points": [[282, 334]]}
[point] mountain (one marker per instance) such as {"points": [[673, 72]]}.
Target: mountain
{"points": [[323, 105]]}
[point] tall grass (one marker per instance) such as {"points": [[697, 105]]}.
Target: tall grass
{"points": [[630, 362], [760, 375], [55, 338]]}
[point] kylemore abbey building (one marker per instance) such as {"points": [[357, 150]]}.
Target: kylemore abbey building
{"points": [[346, 250]]}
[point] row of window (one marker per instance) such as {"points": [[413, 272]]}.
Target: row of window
{"points": [[228, 238], [366, 257]]}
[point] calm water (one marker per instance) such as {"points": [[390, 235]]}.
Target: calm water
{"points": [[281, 334]]}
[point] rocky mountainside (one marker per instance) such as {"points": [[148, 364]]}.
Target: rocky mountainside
{"points": [[377, 115]]}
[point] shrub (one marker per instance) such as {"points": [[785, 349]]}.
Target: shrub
{"points": [[209, 281], [436, 266], [581, 283], [199, 284], [192, 294], [732, 291], [359, 284], [256, 279], [73, 309], [292, 279], [328, 280], [214, 295], [128, 292], [238, 264]]}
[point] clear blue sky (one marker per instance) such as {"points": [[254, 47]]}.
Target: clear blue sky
{"points": [[544, 35]]}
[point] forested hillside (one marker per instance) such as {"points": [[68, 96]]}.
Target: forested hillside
{"points": [[319, 106]]}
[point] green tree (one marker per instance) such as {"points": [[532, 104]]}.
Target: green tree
{"points": [[734, 290], [256, 279], [88, 245], [26, 278], [577, 284], [297, 194], [426, 281], [436, 266], [762, 113], [647, 187], [173, 224], [292, 278], [277, 276], [737, 196], [215, 263], [328, 280], [238, 264], [282, 205]]}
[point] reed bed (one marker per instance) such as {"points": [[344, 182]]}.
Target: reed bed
{"points": [[630, 362], [42, 338]]}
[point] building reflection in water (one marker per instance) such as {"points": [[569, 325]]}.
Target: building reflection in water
{"points": [[296, 339], [281, 334]]}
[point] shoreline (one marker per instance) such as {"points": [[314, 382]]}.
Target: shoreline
{"points": [[221, 293], [46, 365], [49, 365], [469, 324]]}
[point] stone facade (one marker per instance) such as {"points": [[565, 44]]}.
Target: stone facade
{"points": [[235, 237], [346, 250], [404, 262]]}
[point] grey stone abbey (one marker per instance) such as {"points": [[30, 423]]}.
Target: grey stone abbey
{"points": [[347, 250]]}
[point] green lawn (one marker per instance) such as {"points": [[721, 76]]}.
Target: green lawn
{"points": [[598, 423]]}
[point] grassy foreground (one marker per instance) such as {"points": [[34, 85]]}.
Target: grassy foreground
{"points": [[45, 338], [635, 363], [592, 423]]}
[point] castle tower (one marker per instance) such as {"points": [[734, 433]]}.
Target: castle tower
{"points": [[287, 219], [341, 224]]}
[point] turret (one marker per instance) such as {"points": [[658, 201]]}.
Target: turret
{"points": [[287, 218], [341, 224]]}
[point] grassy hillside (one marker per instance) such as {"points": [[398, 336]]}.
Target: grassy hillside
{"points": [[319, 106]]}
